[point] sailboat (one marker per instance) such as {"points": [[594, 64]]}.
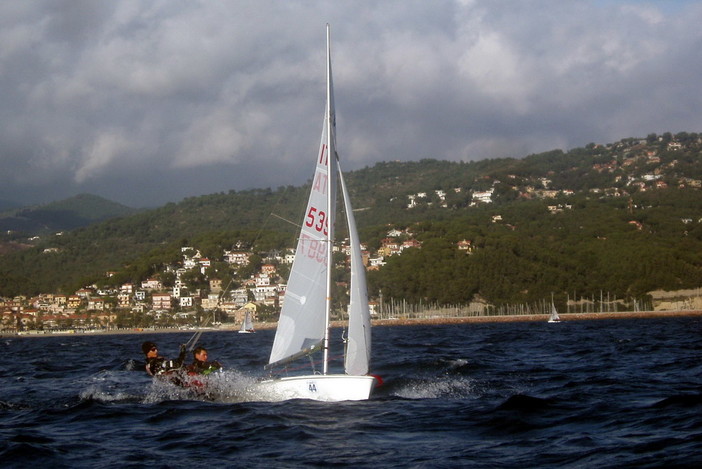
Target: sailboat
{"points": [[304, 324], [554, 314], [247, 324]]}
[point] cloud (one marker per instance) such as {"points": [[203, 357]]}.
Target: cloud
{"points": [[149, 102]]}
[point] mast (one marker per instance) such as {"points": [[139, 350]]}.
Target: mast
{"points": [[303, 327], [331, 205]]}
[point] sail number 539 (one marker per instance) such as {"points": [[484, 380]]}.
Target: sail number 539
{"points": [[316, 219]]}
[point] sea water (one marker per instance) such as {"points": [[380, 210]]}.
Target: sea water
{"points": [[603, 393]]}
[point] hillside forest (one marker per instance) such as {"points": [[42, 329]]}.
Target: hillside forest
{"points": [[624, 218]]}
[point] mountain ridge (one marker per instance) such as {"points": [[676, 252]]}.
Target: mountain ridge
{"points": [[66, 214]]}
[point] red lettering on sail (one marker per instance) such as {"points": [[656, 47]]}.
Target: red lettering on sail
{"points": [[315, 249], [321, 225], [320, 183], [309, 220], [312, 248], [323, 159], [317, 219], [321, 253]]}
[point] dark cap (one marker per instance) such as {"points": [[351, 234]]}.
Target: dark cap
{"points": [[146, 346]]}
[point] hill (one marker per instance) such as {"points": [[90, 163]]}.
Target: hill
{"points": [[622, 218], [78, 211], [8, 205]]}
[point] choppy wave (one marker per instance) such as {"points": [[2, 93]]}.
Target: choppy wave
{"points": [[591, 394]]}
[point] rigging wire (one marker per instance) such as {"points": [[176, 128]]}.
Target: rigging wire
{"points": [[190, 344], [297, 225]]}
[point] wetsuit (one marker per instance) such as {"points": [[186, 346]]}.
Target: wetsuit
{"points": [[204, 368], [159, 365]]}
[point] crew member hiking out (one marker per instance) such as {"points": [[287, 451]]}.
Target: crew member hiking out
{"points": [[200, 364], [156, 364]]}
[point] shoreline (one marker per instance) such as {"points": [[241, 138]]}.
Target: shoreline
{"points": [[565, 317]]}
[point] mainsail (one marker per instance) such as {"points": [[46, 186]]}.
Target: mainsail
{"points": [[247, 324], [303, 322]]}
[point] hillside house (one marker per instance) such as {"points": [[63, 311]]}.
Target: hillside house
{"points": [[123, 300], [262, 280], [60, 300], [559, 208], [229, 308], [186, 302], [410, 243], [236, 257], [84, 293], [38, 302], [375, 263], [96, 304], [106, 317], [289, 257], [51, 321], [388, 247], [696, 183], [465, 245], [264, 293], [151, 284], [240, 296], [211, 302], [549, 194], [161, 301], [73, 302], [10, 319], [215, 285], [483, 196]]}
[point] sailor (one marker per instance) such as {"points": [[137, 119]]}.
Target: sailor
{"points": [[158, 365], [200, 364]]}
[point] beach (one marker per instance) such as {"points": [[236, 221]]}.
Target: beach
{"points": [[565, 317]]}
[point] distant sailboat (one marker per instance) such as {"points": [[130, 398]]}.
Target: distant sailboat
{"points": [[554, 314], [303, 327], [247, 325]]}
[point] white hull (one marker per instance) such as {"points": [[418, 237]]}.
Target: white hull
{"points": [[330, 388]]}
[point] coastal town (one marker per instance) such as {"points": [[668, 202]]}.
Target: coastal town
{"points": [[168, 301]]}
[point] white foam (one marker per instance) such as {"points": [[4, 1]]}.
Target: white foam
{"points": [[435, 389]]}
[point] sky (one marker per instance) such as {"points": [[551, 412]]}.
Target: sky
{"points": [[149, 102]]}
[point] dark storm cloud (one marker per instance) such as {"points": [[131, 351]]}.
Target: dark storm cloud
{"points": [[149, 102]]}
